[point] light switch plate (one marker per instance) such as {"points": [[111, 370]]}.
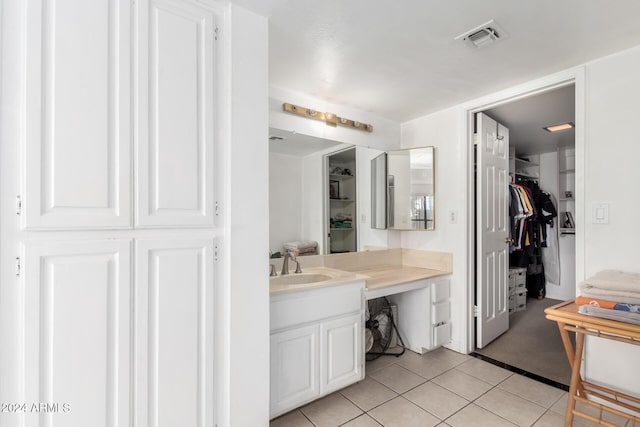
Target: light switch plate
{"points": [[600, 213], [453, 216]]}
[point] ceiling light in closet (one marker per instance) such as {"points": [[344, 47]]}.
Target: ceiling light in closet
{"points": [[561, 126]]}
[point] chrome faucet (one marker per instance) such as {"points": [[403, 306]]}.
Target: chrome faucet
{"points": [[272, 270], [285, 264]]}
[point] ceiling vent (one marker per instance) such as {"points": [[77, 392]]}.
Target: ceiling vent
{"points": [[483, 35]]}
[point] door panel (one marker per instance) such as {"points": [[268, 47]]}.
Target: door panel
{"points": [[342, 357], [77, 332], [295, 368], [174, 330], [492, 230], [77, 148], [175, 149]]}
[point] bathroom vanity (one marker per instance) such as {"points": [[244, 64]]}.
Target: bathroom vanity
{"points": [[317, 317]]}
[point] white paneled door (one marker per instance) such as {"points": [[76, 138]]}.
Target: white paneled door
{"points": [[176, 114], [492, 230], [295, 367], [341, 352], [114, 324], [174, 332], [77, 333], [78, 115]]}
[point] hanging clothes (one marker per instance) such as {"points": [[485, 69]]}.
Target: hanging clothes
{"points": [[532, 212]]}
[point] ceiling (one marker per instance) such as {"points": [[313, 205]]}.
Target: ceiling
{"points": [[296, 144], [399, 58], [527, 117]]}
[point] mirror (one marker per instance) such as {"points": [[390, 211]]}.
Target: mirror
{"points": [[299, 192], [379, 192], [410, 189]]}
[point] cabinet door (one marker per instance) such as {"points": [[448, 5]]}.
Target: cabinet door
{"points": [[295, 368], [77, 147], [341, 356], [77, 333], [175, 110], [174, 332]]}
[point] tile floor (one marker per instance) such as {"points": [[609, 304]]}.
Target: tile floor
{"points": [[440, 388]]}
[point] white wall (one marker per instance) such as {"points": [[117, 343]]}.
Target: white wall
{"points": [[245, 353], [445, 131], [612, 87], [285, 200], [385, 135], [612, 174]]}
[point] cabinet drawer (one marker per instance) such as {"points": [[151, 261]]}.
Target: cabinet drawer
{"points": [[441, 335], [440, 290], [307, 306], [441, 312]]}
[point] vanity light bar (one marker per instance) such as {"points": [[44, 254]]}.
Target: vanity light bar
{"points": [[329, 118]]}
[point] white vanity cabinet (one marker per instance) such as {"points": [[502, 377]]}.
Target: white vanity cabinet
{"points": [[316, 343], [424, 313]]}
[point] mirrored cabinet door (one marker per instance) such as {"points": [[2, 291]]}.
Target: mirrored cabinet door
{"points": [[403, 189]]}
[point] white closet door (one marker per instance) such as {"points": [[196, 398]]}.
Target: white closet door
{"points": [[77, 148], [175, 62], [77, 333], [174, 332]]}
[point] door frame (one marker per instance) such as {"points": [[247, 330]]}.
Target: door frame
{"points": [[575, 76]]}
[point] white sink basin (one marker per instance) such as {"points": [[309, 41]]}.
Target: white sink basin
{"points": [[299, 279]]}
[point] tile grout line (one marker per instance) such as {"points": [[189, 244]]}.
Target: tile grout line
{"points": [[431, 380]]}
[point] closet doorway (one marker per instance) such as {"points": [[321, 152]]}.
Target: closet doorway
{"points": [[541, 254]]}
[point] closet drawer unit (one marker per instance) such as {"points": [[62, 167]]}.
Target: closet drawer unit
{"points": [[518, 300], [517, 276], [517, 289], [519, 295]]}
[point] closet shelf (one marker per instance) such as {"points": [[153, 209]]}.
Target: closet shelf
{"points": [[526, 175], [567, 170], [341, 177], [524, 162], [341, 200], [567, 199]]}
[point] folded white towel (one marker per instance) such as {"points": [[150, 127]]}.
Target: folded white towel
{"points": [[301, 244], [613, 280]]}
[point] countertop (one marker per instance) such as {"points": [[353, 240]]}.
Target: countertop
{"points": [[390, 275], [375, 277]]}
